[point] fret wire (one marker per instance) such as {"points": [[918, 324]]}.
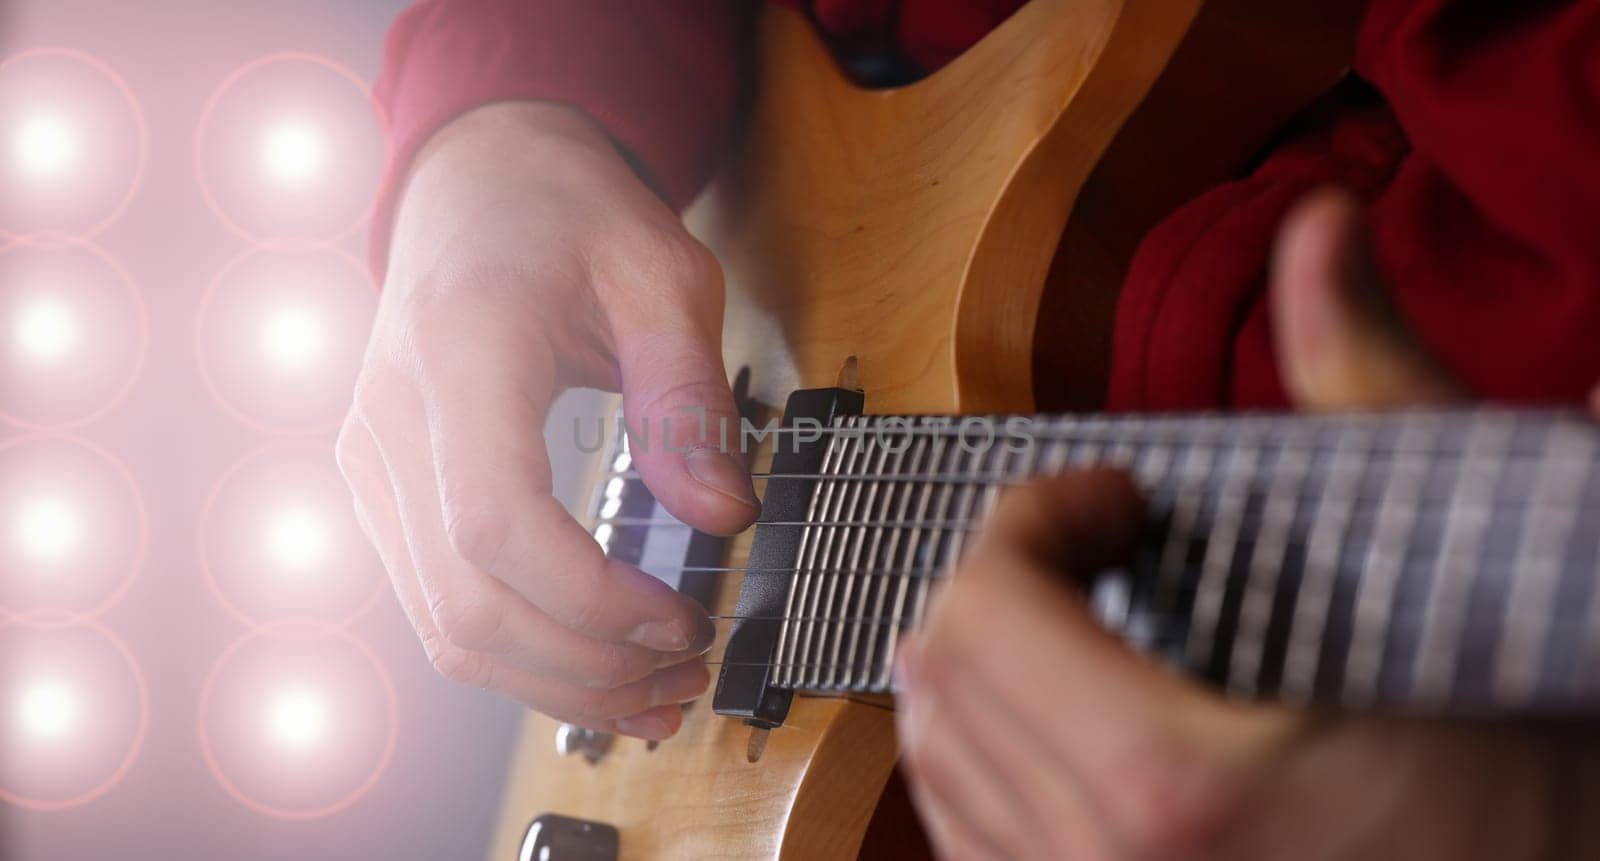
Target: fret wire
{"points": [[1221, 547], [849, 451], [838, 544], [1381, 572], [919, 453], [1585, 678], [833, 493], [970, 505], [1324, 546], [878, 509], [1458, 562], [902, 584], [785, 645], [1268, 558], [1537, 569]]}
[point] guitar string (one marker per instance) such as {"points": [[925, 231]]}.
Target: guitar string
{"points": [[1404, 625], [1071, 428], [1526, 458], [1371, 509]]}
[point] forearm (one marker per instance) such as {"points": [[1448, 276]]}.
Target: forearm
{"points": [[662, 80]]}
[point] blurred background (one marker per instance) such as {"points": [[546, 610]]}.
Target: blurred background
{"points": [[199, 656]]}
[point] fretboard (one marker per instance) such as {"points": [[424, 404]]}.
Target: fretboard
{"points": [[1444, 562]]}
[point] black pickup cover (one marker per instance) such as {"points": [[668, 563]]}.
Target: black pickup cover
{"points": [[743, 688]]}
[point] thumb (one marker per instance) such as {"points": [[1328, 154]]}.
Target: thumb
{"points": [[1340, 343], [683, 426]]}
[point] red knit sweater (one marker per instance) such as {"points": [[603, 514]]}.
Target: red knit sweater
{"points": [[1481, 167]]}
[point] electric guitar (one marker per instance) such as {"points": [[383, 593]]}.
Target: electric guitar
{"points": [[919, 281]]}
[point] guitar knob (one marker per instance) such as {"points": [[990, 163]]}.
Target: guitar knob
{"points": [[562, 838], [573, 740]]}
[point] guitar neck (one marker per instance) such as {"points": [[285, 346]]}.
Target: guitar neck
{"points": [[1444, 562]]}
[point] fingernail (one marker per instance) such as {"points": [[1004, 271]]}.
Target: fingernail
{"points": [[661, 636], [723, 473], [705, 636], [645, 726]]}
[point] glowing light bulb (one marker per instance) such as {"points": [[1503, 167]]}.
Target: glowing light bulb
{"points": [[292, 152], [48, 530], [47, 711], [293, 338], [46, 332], [45, 146], [297, 720], [297, 540]]}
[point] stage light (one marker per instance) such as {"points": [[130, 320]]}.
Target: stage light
{"points": [[45, 146], [298, 539], [297, 720], [294, 338], [293, 152], [47, 711], [48, 530], [46, 332]]}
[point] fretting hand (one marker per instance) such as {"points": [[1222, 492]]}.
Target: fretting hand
{"points": [[1029, 732]]}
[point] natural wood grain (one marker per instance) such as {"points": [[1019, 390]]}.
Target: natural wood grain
{"points": [[912, 228]]}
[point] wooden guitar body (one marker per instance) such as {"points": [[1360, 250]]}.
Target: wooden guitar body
{"points": [[909, 235]]}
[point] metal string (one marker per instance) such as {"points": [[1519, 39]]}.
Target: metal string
{"points": [[1366, 506], [1519, 459]]}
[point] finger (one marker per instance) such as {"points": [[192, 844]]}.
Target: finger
{"points": [[362, 464], [683, 423], [479, 614], [1340, 342], [1160, 758], [368, 479], [948, 831], [952, 765], [643, 708], [485, 403], [1080, 523], [1051, 815]]}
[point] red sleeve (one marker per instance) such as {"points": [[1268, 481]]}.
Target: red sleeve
{"points": [[663, 79], [1482, 178]]}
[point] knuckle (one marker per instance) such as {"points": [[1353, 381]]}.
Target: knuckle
{"points": [[348, 450], [460, 666], [587, 609], [478, 532], [613, 667], [471, 621], [685, 261], [585, 597], [372, 401]]}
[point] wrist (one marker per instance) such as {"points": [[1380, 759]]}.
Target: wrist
{"points": [[535, 138], [512, 126]]}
